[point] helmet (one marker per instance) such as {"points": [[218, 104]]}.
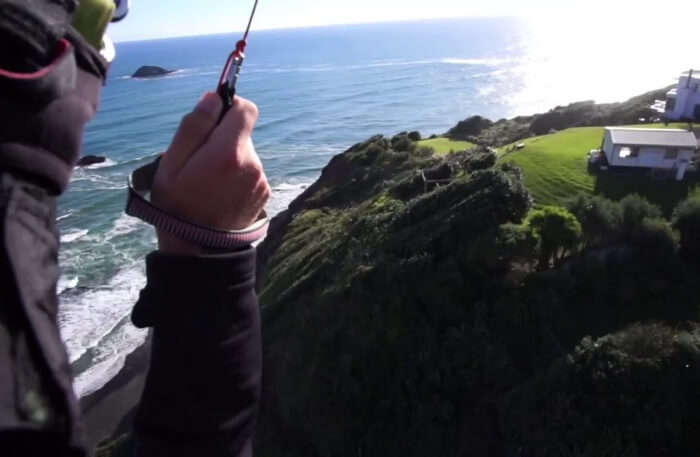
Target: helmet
{"points": [[121, 9]]}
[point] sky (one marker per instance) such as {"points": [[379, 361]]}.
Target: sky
{"points": [[150, 19]]}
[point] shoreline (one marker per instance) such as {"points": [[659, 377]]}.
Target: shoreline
{"points": [[109, 411]]}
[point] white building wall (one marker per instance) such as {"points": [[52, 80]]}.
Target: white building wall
{"points": [[609, 147], [687, 97], [650, 157]]}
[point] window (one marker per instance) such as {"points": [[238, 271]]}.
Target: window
{"points": [[671, 153], [629, 152]]}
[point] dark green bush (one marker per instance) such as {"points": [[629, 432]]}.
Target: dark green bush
{"points": [[408, 188], [470, 126], [686, 219], [479, 161], [373, 151], [424, 151], [403, 144], [632, 393], [559, 233], [414, 136], [634, 210], [507, 243], [655, 237], [600, 218]]}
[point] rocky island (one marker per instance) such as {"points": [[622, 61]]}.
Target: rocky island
{"points": [[88, 160], [418, 300], [149, 71]]}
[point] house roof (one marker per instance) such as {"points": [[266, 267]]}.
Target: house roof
{"points": [[653, 137]]}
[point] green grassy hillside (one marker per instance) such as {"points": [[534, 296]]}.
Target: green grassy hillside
{"points": [[442, 146], [555, 169]]}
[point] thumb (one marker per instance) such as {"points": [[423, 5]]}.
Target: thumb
{"points": [[193, 132]]}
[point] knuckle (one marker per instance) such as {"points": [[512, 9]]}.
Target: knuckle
{"points": [[254, 173], [194, 121], [266, 192], [246, 113]]}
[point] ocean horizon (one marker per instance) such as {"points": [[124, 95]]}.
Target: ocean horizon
{"points": [[319, 90]]}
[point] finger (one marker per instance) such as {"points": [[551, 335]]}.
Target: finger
{"points": [[227, 144], [194, 130]]}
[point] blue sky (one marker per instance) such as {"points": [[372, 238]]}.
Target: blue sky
{"points": [[168, 18]]}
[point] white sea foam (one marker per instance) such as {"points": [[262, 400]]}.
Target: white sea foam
{"points": [[288, 187], [68, 214], [82, 175], [65, 283], [110, 355], [88, 318], [282, 195], [107, 163], [73, 235], [124, 225]]}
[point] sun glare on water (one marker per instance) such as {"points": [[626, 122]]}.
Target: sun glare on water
{"points": [[605, 53]]}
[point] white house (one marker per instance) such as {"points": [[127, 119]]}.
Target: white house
{"points": [[667, 149], [683, 102]]}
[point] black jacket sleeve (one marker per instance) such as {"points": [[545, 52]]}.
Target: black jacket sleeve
{"points": [[202, 390], [49, 87]]}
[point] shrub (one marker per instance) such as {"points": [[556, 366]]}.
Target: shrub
{"points": [[373, 151], [686, 219], [479, 161], [558, 230], [634, 210], [655, 237], [414, 136], [631, 393], [403, 144], [508, 242], [425, 151], [600, 218], [470, 126]]}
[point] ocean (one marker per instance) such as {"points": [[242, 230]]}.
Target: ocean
{"points": [[319, 90]]}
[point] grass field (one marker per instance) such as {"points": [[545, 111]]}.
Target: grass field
{"points": [[443, 146], [555, 170]]}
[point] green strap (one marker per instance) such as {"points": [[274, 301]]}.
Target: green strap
{"points": [[91, 20]]}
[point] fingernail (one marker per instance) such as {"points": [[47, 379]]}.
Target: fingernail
{"points": [[208, 104]]}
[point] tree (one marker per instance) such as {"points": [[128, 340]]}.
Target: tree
{"points": [[497, 248], [558, 231], [655, 237], [414, 136], [686, 219], [634, 210], [600, 218]]}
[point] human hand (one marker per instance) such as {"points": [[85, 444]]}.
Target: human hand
{"points": [[211, 175]]}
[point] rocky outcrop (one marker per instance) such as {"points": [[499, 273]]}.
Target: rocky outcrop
{"points": [[149, 71], [90, 160], [470, 127]]}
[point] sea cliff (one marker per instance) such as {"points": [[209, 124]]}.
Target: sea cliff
{"points": [[409, 319], [409, 308]]}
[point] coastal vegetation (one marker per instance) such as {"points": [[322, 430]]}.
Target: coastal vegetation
{"points": [[462, 319], [514, 305]]}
